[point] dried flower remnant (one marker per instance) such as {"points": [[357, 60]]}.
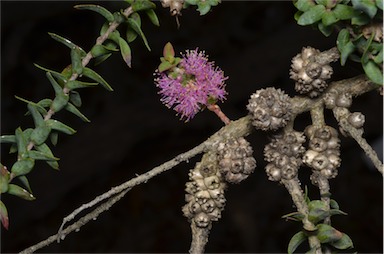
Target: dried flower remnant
{"points": [[191, 85]]}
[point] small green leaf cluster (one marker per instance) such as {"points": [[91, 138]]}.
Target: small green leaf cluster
{"points": [[168, 60], [203, 6], [31, 144], [359, 22], [318, 211]]}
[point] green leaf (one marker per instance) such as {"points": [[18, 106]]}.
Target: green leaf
{"points": [[360, 19], [131, 34], [37, 155], [58, 89], [23, 166], [4, 215], [318, 210], [45, 103], [114, 36], [54, 138], [203, 8], [59, 126], [345, 46], [327, 234], [296, 216], [38, 107], [100, 59], [13, 149], [76, 84], [89, 73], [165, 66], [100, 50], [76, 60], [326, 30], [40, 134], [20, 192], [141, 5], [379, 58], [59, 102], [304, 5], [336, 212], [344, 243], [7, 139], [169, 52], [373, 72], [44, 148], [295, 241], [125, 51], [71, 108], [21, 141], [25, 182], [366, 6], [37, 118], [379, 4], [75, 98], [311, 16], [4, 179], [96, 8], [67, 43], [329, 18], [136, 26], [153, 17], [54, 73], [333, 204], [343, 12]]}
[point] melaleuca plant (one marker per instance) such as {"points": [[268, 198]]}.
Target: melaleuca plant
{"points": [[190, 83]]}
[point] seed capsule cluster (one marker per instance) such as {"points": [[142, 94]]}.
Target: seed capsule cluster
{"points": [[175, 6], [310, 76], [323, 154], [269, 108], [284, 153], [236, 161], [205, 192]]}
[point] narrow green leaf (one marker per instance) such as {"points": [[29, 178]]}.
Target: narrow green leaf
{"points": [[45, 103], [295, 241], [67, 43], [326, 30], [37, 117], [135, 26], [100, 59], [4, 215], [75, 98], [13, 149], [366, 6], [40, 134], [329, 18], [76, 60], [58, 89], [343, 12], [327, 234], [23, 167], [100, 50], [318, 210], [304, 5], [296, 216], [165, 66], [59, 126], [169, 52], [44, 148], [125, 51], [37, 155], [142, 5], [379, 58], [89, 73], [76, 84], [54, 73], [60, 101], [373, 72], [96, 8], [153, 17], [4, 179], [25, 182], [7, 139], [131, 34], [54, 137], [333, 204], [20, 192], [38, 107], [71, 108], [21, 141], [336, 212], [114, 36], [379, 4], [311, 16], [344, 243]]}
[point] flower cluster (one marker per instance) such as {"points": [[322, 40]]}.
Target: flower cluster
{"points": [[191, 85]]}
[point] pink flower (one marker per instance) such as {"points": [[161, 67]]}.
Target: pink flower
{"points": [[192, 85]]}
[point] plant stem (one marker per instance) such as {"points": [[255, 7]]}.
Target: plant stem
{"points": [[216, 109], [199, 238]]}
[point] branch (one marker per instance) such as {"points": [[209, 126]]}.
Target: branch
{"points": [[199, 238], [239, 128]]}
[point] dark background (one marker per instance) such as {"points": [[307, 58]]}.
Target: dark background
{"points": [[131, 132]]}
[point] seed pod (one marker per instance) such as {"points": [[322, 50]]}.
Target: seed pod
{"points": [[344, 100], [310, 76], [356, 119], [205, 192], [284, 154], [236, 161], [270, 109]]}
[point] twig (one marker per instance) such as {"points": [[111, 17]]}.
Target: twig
{"points": [[199, 238], [238, 128], [216, 109], [77, 225]]}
